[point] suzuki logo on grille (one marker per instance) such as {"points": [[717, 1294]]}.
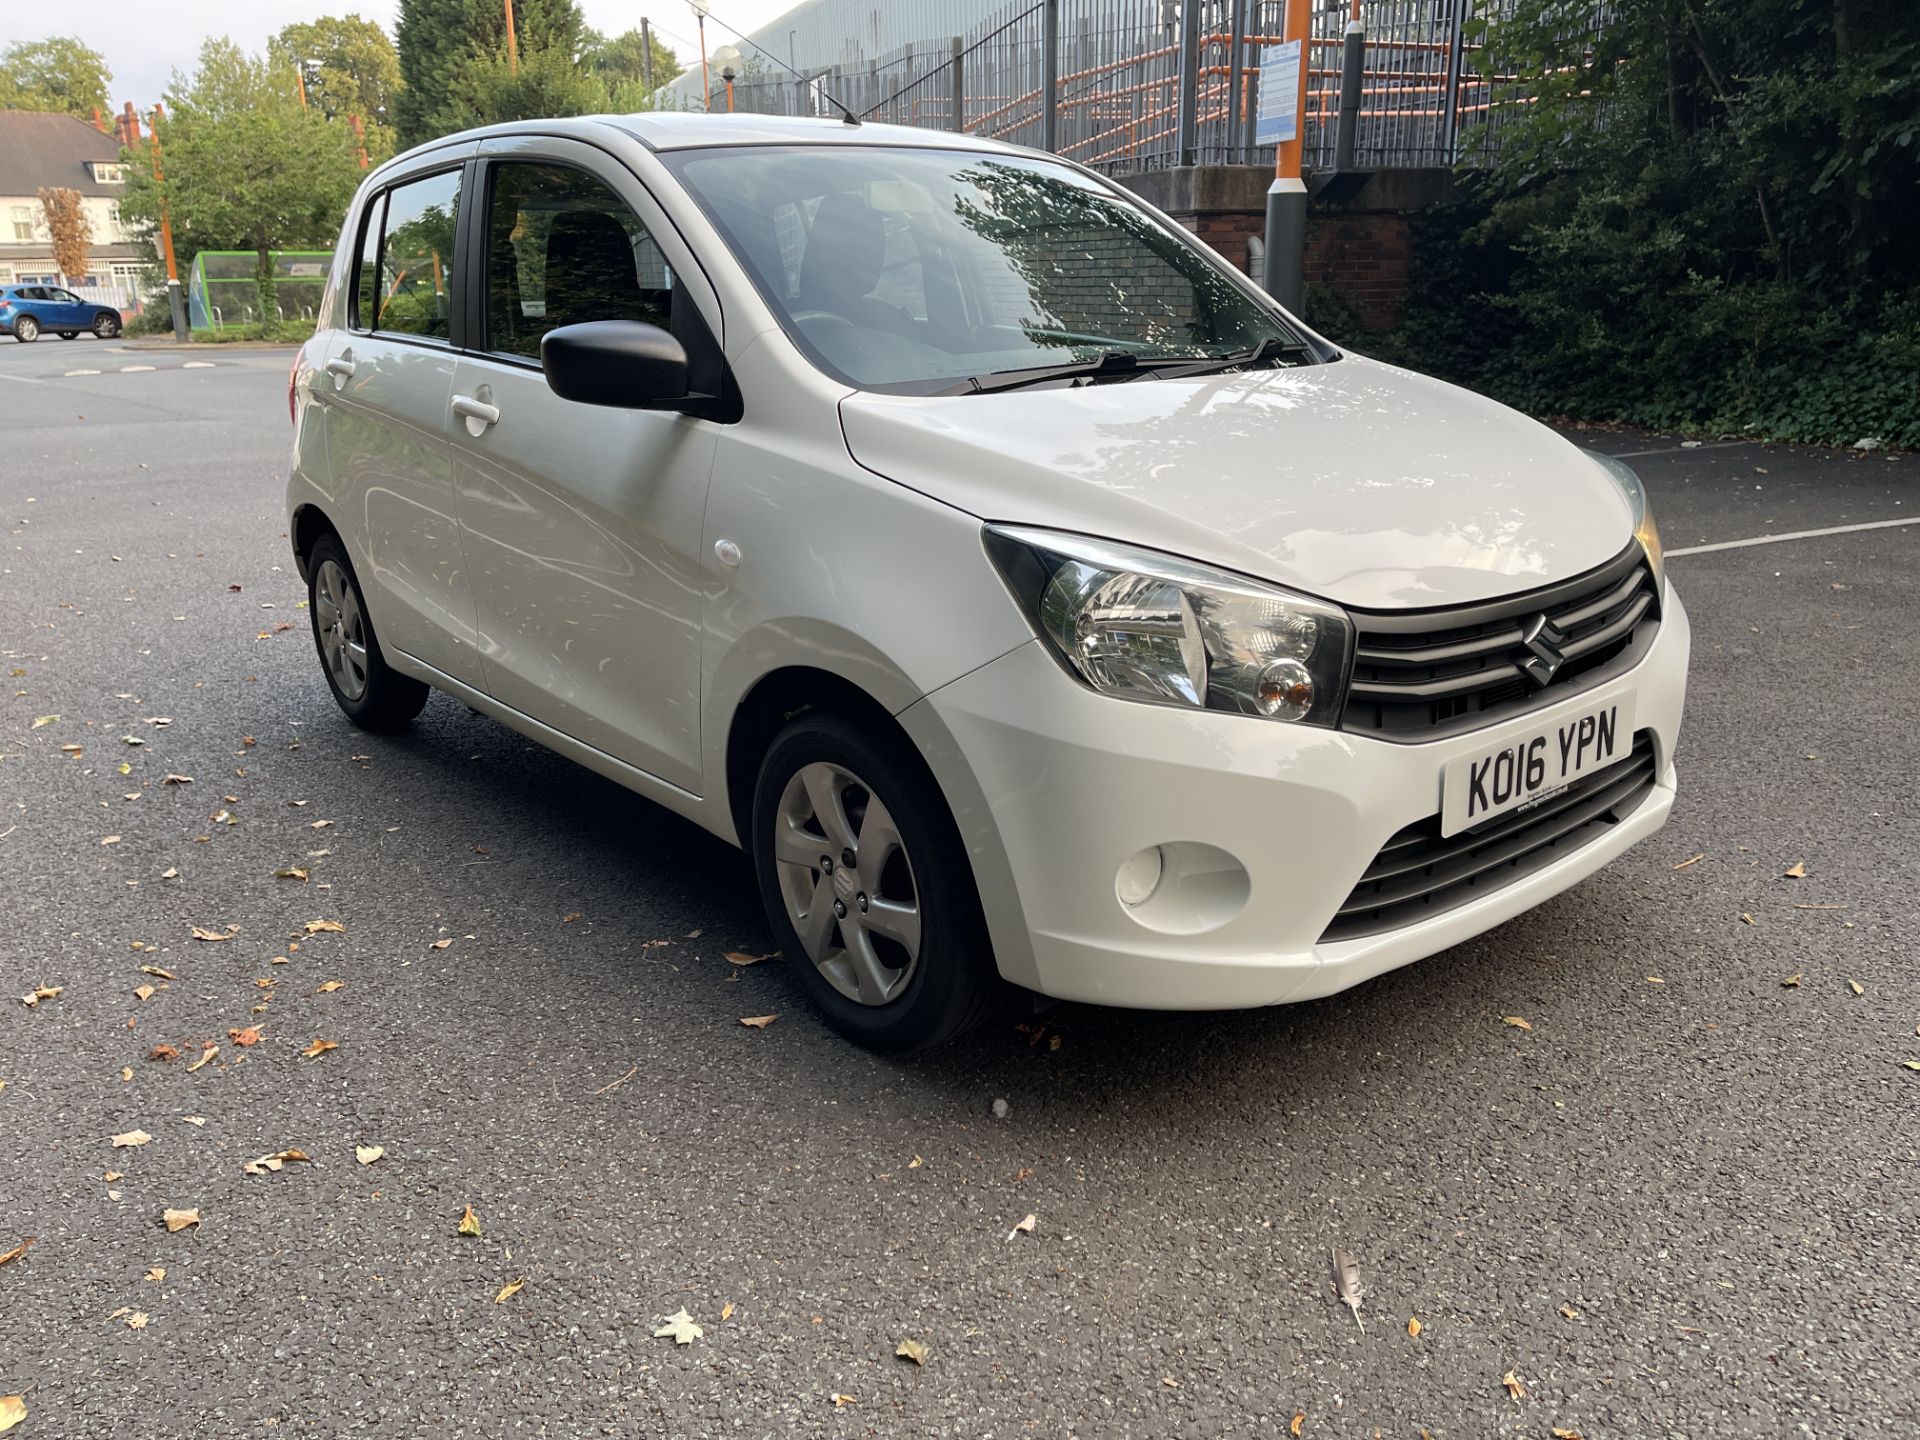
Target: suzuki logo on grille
{"points": [[1543, 639]]}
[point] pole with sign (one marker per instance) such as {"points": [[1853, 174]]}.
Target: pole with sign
{"points": [[1283, 101]]}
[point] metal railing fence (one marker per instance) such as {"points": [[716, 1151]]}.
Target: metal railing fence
{"points": [[1147, 84]]}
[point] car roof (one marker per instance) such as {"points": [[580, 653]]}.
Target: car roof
{"points": [[686, 130]]}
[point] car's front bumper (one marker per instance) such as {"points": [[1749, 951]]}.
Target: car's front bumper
{"points": [[1054, 787]]}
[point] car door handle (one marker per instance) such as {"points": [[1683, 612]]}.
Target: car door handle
{"points": [[472, 409], [341, 367]]}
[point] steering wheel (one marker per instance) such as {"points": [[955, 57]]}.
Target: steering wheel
{"points": [[803, 318]]}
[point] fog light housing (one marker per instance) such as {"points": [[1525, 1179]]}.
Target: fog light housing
{"points": [[1140, 876]]}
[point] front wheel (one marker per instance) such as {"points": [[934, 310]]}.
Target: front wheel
{"points": [[868, 886], [26, 329], [372, 693], [106, 325]]}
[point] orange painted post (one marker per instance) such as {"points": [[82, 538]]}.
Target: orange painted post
{"points": [[300, 82], [1284, 259], [175, 306], [360, 139], [513, 43]]}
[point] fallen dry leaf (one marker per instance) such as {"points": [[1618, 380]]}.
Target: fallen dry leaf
{"points": [[367, 1154], [177, 780], [758, 1022], [1910, 1064], [726, 1311], [1346, 1283], [1025, 1227], [840, 1400], [1792, 982], [911, 1349], [163, 1053], [270, 1164], [469, 1223], [680, 1327], [509, 1290], [13, 1410], [207, 1057], [330, 986], [40, 722], [291, 872], [737, 957], [137, 1320], [178, 1220], [1569, 1312], [1414, 1326], [131, 1140], [200, 932], [194, 1120], [155, 970], [1856, 987], [1691, 860], [157, 1274], [109, 839], [440, 944], [1560, 1432], [331, 927], [1514, 1388], [915, 1163], [1294, 1425], [14, 1254], [145, 992], [39, 993], [319, 1048], [1516, 1021], [1747, 919], [244, 1038], [1796, 871]]}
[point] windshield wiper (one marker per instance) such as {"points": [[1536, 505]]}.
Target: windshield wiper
{"points": [[1269, 351], [1112, 363]]}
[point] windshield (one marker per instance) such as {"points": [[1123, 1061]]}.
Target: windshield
{"points": [[913, 269]]}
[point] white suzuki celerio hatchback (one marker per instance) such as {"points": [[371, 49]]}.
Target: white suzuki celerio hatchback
{"points": [[1027, 593]]}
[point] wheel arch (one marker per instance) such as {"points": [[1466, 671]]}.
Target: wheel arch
{"points": [[773, 700], [310, 522]]}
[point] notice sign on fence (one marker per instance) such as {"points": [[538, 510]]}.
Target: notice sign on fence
{"points": [[1279, 116]]}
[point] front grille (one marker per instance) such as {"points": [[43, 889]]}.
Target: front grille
{"points": [[1424, 674], [1420, 873]]}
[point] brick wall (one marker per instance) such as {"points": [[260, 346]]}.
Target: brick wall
{"points": [[1364, 257]]}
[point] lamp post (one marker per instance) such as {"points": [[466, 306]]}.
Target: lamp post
{"points": [[726, 74], [728, 61], [706, 82]]}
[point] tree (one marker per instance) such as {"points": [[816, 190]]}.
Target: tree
{"points": [[350, 67], [71, 230], [58, 74], [490, 89], [440, 41], [247, 167], [621, 60]]}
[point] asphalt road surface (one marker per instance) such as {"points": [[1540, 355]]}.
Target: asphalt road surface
{"points": [[1682, 1204]]}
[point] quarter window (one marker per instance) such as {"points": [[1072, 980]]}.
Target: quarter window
{"points": [[366, 280], [415, 294], [562, 248]]}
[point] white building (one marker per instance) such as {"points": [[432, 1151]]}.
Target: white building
{"points": [[46, 151]]}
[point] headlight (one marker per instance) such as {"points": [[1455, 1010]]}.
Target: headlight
{"points": [[1145, 626], [1644, 530]]}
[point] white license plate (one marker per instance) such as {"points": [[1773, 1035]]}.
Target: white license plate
{"points": [[1530, 769]]}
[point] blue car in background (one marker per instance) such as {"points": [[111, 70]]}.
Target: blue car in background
{"points": [[28, 310]]}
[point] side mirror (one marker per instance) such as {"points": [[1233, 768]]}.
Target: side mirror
{"points": [[616, 362]]}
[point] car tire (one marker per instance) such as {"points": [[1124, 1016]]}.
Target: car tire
{"points": [[106, 325], [925, 974], [371, 693], [26, 329], [69, 334]]}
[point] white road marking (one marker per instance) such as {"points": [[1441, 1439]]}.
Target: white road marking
{"points": [[198, 365], [1794, 535], [133, 369], [22, 379], [72, 373], [1687, 449]]}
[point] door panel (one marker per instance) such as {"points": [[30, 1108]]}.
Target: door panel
{"points": [[583, 523], [386, 393]]}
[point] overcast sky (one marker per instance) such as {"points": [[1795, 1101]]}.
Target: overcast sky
{"points": [[145, 42]]}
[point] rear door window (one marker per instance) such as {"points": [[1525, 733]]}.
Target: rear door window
{"points": [[415, 288]]}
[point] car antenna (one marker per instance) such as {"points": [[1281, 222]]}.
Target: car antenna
{"points": [[847, 116]]}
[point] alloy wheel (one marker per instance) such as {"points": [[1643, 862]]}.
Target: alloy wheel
{"points": [[342, 627], [848, 883]]}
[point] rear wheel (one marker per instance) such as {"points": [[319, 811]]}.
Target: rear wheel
{"points": [[26, 329], [106, 325], [868, 886], [373, 695]]}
